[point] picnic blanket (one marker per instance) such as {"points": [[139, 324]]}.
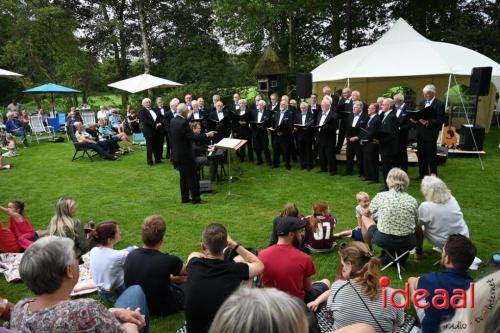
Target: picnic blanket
{"points": [[9, 267]]}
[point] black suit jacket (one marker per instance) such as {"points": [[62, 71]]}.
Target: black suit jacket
{"points": [[372, 128], [431, 131], [343, 109], [149, 128], [315, 110], [266, 119], [327, 133], [286, 123], [388, 132], [223, 127], [355, 131], [182, 138], [303, 132]]}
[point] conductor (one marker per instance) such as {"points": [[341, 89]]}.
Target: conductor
{"points": [[183, 156]]}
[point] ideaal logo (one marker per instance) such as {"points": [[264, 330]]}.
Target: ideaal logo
{"points": [[441, 299]]}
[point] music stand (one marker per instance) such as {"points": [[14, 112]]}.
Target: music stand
{"points": [[230, 144]]}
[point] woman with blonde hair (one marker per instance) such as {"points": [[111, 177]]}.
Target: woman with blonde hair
{"points": [[64, 224], [320, 229], [356, 296], [439, 216]]}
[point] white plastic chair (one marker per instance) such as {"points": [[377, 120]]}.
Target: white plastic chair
{"points": [[88, 118]]}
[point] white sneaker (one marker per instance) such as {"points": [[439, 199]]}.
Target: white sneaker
{"points": [[10, 154]]}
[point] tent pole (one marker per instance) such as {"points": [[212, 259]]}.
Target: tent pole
{"points": [[348, 83], [447, 97]]}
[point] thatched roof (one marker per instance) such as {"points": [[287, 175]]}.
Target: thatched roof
{"points": [[269, 64]]}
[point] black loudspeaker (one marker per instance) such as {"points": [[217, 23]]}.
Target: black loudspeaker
{"points": [[304, 85], [467, 136], [480, 79]]}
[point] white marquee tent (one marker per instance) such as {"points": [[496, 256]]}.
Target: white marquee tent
{"points": [[400, 55]]}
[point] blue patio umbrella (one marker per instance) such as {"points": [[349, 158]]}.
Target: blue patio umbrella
{"points": [[51, 88]]}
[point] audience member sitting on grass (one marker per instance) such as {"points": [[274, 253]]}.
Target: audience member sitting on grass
{"points": [[116, 121], [19, 224], [11, 146], [107, 132], [363, 200], [485, 315], [320, 228], [64, 224], [290, 209], [268, 310], [286, 267], [50, 270], [85, 140], [440, 215], [159, 274], [106, 263], [132, 121], [395, 212], [102, 113], [356, 296], [458, 254], [15, 127], [211, 279], [8, 240]]}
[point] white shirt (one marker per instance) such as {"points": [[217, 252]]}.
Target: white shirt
{"points": [[196, 114], [153, 114], [162, 111], [242, 112], [399, 108], [442, 220], [428, 103], [102, 114], [282, 113], [106, 267], [259, 116], [220, 115], [355, 119], [348, 100], [371, 118], [323, 117], [304, 115]]}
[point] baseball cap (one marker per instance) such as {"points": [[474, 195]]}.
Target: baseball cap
{"points": [[286, 224]]}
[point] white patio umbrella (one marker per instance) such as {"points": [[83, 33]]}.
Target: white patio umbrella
{"points": [[143, 82], [6, 73]]}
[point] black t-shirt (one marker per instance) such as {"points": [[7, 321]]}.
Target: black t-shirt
{"points": [[151, 269], [209, 283]]}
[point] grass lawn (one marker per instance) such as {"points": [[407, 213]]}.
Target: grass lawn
{"points": [[128, 190]]}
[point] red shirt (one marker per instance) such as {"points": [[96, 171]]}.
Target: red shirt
{"points": [[8, 241], [285, 268], [23, 230], [323, 238]]}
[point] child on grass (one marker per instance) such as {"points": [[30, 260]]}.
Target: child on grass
{"points": [[363, 200], [19, 224], [319, 229], [11, 146]]}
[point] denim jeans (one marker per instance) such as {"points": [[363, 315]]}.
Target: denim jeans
{"points": [[133, 297]]}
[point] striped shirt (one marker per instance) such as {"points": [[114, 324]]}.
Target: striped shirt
{"points": [[348, 308], [396, 213]]}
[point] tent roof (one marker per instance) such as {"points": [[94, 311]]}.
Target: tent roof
{"points": [[6, 73], [143, 82], [402, 51], [51, 88]]}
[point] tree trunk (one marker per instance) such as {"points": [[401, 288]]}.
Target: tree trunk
{"points": [[291, 59], [348, 24], [335, 26], [142, 23]]}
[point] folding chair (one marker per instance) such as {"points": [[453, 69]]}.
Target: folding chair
{"points": [[38, 129], [88, 119], [397, 257], [79, 147]]}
